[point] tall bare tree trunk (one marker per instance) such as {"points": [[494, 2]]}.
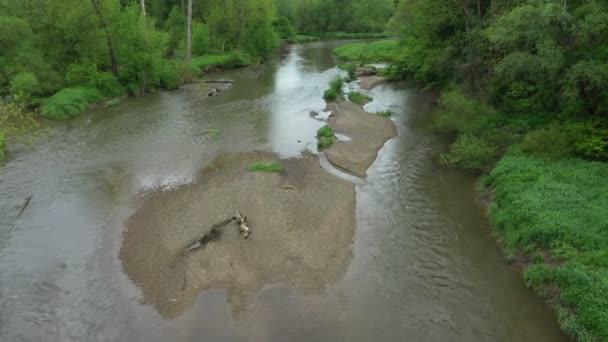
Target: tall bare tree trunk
{"points": [[143, 7], [189, 35], [104, 27], [479, 8]]}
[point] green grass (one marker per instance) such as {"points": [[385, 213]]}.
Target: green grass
{"points": [[232, 59], [2, 146], [300, 38], [69, 102], [325, 137], [272, 167], [357, 35], [335, 90], [351, 69], [380, 51], [555, 213], [358, 98], [385, 114]]}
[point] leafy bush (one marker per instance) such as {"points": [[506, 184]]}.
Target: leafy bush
{"points": [[335, 90], [558, 208], [171, 74], [69, 102], [358, 98], [272, 167], [200, 39], [386, 113], [283, 27], [299, 38], [380, 51], [471, 153], [25, 84], [461, 114], [552, 141], [325, 137], [351, 69]]}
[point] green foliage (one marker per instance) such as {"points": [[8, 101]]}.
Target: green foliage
{"points": [[356, 35], [233, 59], [283, 27], [25, 84], [471, 153], [200, 39], [175, 26], [461, 114], [358, 98], [335, 90], [273, 167], [585, 88], [552, 141], [351, 69], [2, 146], [558, 208], [171, 74], [297, 39], [325, 137], [385, 114], [69, 102], [380, 51]]}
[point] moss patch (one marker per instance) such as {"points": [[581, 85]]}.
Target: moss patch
{"points": [[272, 167]]}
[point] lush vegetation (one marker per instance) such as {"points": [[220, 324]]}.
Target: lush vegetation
{"points": [[272, 167], [338, 18], [335, 90], [553, 212], [358, 98], [351, 69], [379, 51], [526, 78], [325, 137], [15, 121], [385, 114], [69, 102]]}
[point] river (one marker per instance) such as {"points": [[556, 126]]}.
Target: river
{"points": [[425, 266]]}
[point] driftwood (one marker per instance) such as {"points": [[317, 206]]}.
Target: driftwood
{"points": [[220, 81], [242, 221], [216, 230], [25, 204]]}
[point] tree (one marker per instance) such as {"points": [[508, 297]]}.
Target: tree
{"points": [[189, 35]]}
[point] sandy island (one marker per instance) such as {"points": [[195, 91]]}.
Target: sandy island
{"points": [[302, 222]]}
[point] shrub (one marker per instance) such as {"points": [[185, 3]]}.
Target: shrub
{"points": [[461, 114], [552, 141], [272, 167], [358, 98], [325, 137], [200, 39], [297, 39], [25, 84], [386, 113], [351, 69], [380, 51], [335, 89], [238, 59], [69, 102], [471, 153], [171, 74], [283, 27]]}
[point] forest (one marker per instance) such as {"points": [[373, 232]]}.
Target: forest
{"points": [[522, 83]]}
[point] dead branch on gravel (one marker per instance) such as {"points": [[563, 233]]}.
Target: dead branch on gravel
{"points": [[216, 230]]}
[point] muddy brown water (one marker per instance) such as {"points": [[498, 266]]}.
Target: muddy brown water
{"points": [[425, 266]]}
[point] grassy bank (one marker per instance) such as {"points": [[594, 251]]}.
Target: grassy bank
{"points": [[234, 59], [300, 38], [2, 146], [380, 51], [553, 215], [69, 102]]}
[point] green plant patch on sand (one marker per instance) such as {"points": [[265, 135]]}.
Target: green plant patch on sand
{"points": [[271, 167], [325, 137], [385, 114], [69, 102], [553, 214], [358, 98]]}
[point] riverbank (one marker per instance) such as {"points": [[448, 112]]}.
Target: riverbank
{"points": [[547, 205]]}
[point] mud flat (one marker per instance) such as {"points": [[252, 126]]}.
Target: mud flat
{"points": [[368, 132], [302, 223]]}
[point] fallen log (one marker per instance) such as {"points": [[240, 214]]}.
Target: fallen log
{"points": [[216, 230], [211, 234]]}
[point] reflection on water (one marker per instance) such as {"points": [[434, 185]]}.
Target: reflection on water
{"points": [[425, 266]]}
